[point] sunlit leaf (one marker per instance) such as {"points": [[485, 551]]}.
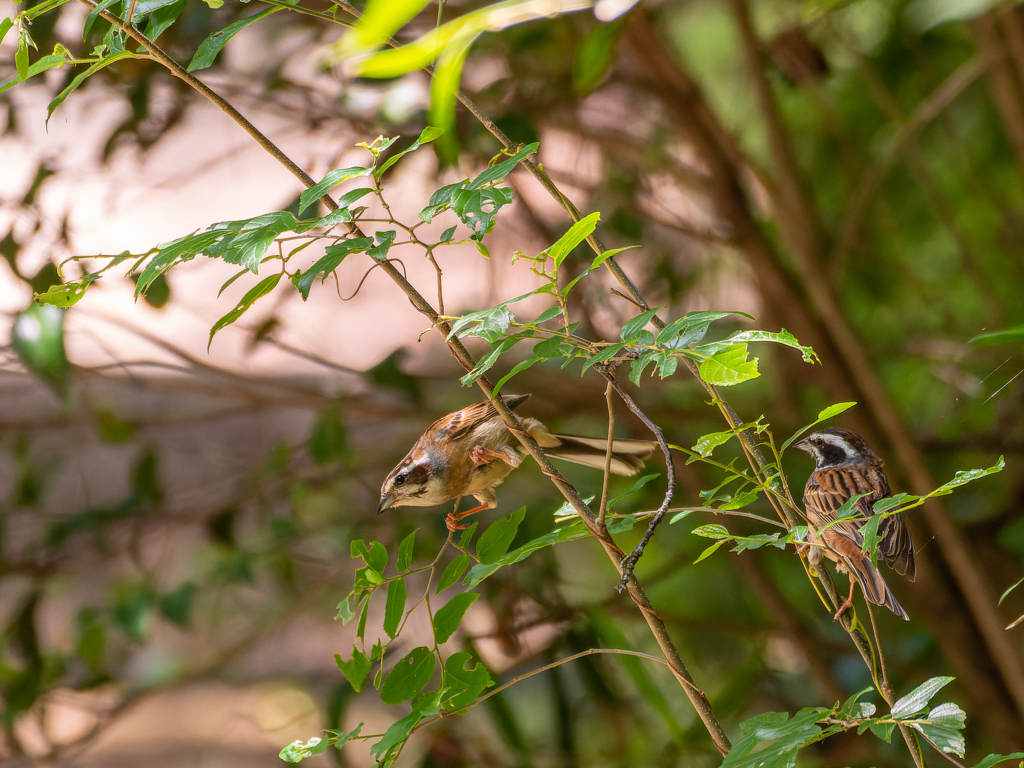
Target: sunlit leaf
{"points": [[729, 367], [918, 698]]}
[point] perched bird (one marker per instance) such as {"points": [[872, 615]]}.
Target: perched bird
{"points": [[844, 467], [470, 452]]}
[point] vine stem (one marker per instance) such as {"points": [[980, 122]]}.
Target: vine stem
{"points": [[636, 593]]}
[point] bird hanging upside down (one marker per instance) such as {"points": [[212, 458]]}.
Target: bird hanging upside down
{"points": [[470, 452]]}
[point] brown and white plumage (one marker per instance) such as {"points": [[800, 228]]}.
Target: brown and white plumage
{"points": [[844, 467], [470, 452]]}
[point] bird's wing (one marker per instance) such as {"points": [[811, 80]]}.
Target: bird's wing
{"points": [[824, 494], [460, 423]]}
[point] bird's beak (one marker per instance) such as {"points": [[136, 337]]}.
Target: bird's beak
{"points": [[385, 503], [800, 445]]}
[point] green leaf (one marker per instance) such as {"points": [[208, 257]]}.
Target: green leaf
{"points": [[331, 180], [258, 291], [327, 441], [440, 199], [783, 337], [333, 256], [453, 572], [603, 356], [176, 605], [408, 676], [405, 550], [464, 680], [356, 670], [870, 533], [1009, 590], [296, 752], [394, 608], [489, 324], [246, 242], [574, 530], [741, 500], [518, 368], [825, 415], [81, 77], [631, 330], [633, 488], [786, 736], [594, 56], [467, 535], [384, 240], [380, 19], [576, 234], [548, 314], [40, 65], [967, 476], [446, 236], [449, 615], [67, 295], [21, 58], [689, 328], [344, 612], [944, 726], [918, 698], [504, 168], [621, 525], [707, 443], [553, 347], [428, 134], [996, 338], [729, 367], [476, 208], [495, 541], [177, 251], [210, 47], [424, 705], [487, 361], [445, 84], [5, 27], [993, 760], [636, 368], [375, 556], [162, 18], [38, 339]]}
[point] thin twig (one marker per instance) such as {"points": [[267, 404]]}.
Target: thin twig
{"points": [[629, 563], [602, 510]]}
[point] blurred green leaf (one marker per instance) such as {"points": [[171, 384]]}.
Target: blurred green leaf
{"points": [[176, 605], [328, 440], [38, 337], [594, 55]]}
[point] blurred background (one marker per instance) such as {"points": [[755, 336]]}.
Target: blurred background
{"points": [[175, 523]]}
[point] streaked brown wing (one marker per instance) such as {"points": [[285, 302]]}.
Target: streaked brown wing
{"points": [[824, 494], [455, 425]]}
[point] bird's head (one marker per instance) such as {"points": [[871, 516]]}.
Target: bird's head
{"points": [[837, 447], [415, 482]]}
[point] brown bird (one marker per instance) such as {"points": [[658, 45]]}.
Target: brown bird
{"points": [[470, 452], [844, 467]]}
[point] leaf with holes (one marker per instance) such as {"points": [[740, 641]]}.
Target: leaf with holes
{"points": [[728, 367], [355, 670]]}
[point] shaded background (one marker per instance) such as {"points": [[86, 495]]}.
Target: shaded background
{"points": [[175, 524]]}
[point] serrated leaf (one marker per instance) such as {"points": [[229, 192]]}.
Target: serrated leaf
{"points": [[355, 670], [729, 367], [476, 208], [405, 550], [487, 361], [394, 608], [712, 531], [604, 355], [333, 256], [689, 328], [918, 698], [946, 722], [447, 235], [441, 198], [502, 169], [246, 242], [636, 368], [495, 541], [329, 181], [449, 616], [453, 572], [967, 476], [479, 572], [631, 330], [258, 291], [408, 676], [427, 134]]}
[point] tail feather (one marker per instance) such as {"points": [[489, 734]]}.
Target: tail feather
{"points": [[873, 586], [627, 455]]}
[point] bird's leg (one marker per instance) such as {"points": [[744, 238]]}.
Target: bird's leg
{"points": [[452, 518], [479, 455], [849, 601]]}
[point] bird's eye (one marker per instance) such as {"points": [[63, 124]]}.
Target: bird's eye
{"points": [[400, 479]]}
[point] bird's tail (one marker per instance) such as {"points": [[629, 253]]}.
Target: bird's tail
{"points": [[627, 455], [874, 587]]}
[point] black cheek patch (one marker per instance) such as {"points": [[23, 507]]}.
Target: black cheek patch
{"points": [[417, 475], [832, 454]]}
